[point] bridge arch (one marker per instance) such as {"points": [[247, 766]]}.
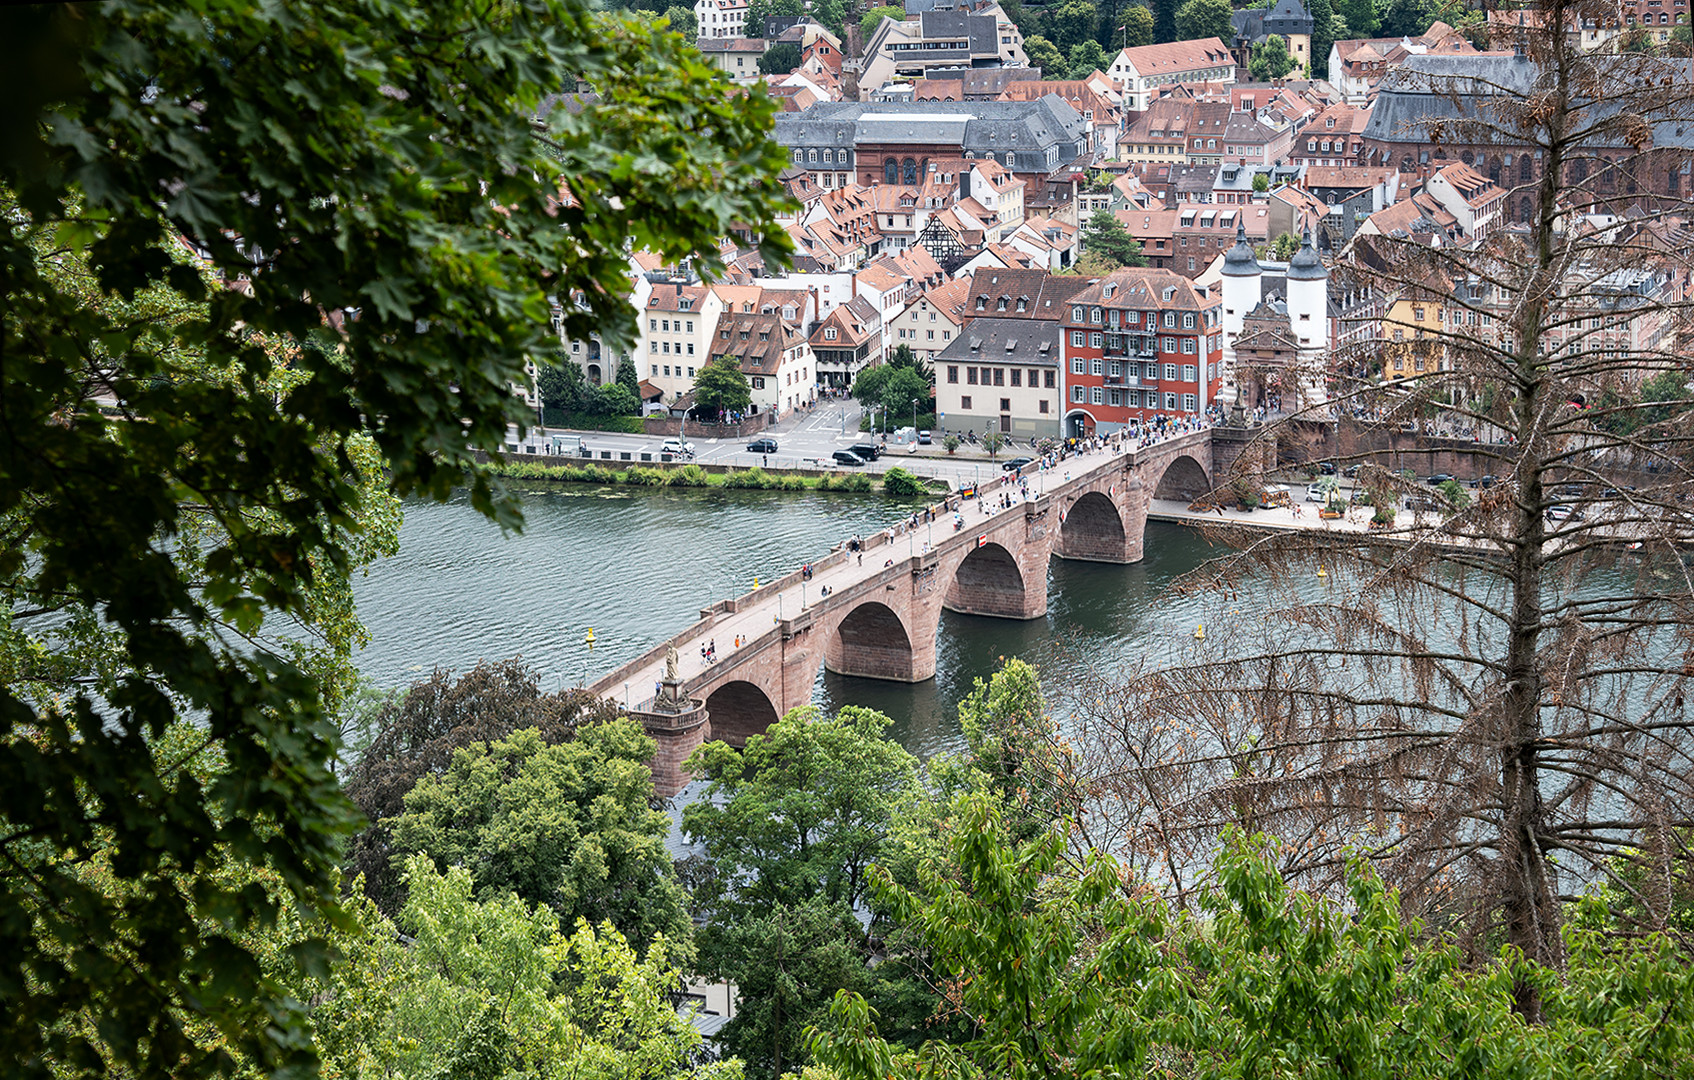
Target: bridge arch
{"points": [[990, 581], [1183, 480], [872, 642], [1079, 424], [1092, 531], [739, 710]]}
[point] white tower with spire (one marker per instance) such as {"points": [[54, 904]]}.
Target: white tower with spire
{"points": [[1243, 280], [1308, 318]]}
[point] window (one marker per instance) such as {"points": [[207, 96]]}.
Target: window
{"points": [[970, 376], [690, 370], [1170, 319], [652, 324], [1094, 316], [1188, 403], [1188, 345], [1114, 369], [1077, 367], [952, 373], [1076, 313], [1168, 344], [931, 335], [1170, 402], [1099, 396], [1077, 338], [1188, 321], [1097, 366], [829, 335], [1005, 404], [1152, 371], [999, 376], [1078, 394], [1170, 372], [965, 402], [690, 348], [1189, 373], [1048, 382], [1096, 340], [655, 370], [1042, 406], [1017, 376], [758, 382], [1116, 397]]}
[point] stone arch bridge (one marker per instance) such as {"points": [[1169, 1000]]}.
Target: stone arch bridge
{"points": [[882, 613]]}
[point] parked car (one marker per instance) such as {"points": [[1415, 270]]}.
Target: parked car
{"points": [[677, 447], [924, 436], [1351, 471], [762, 446], [1561, 512], [1015, 464], [847, 457], [1439, 478], [1318, 492], [1326, 468], [866, 450], [1485, 482]]}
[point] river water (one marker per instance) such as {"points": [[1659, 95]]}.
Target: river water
{"points": [[636, 566]]}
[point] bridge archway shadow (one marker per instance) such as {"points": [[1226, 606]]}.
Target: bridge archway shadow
{"points": [[872, 643], [1184, 480], [1092, 531], [989, 582], [739, 710]]}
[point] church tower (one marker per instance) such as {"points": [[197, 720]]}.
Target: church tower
{"points": [[1242, 280], [1308, 317]]}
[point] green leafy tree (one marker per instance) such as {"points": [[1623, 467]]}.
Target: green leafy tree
{"points": [[873, 18], [629, 378], [1045, 55], [1261, 182], [1106, 237], [992, 443], [562, 386], [1323, 35], [1405, 18], [832, 14], [1285, 246], [1088, 57], [1164, 21], [1205, 18], [682, 21], [721, 387], [780, 59], [613, 399], [494, 986], [904, 356], [567, 825], [1360, 15], [395, 162], [1270, 60], [1138, 26], [1072, 23], [906, 392]]}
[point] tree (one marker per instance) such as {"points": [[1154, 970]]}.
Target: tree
{"points": [[561, 386], [903, 356], [220, 495], [1072, 23], [832, 14], [613, 399], [1106, 236], [628, 378], [495, 986], [417, 734], [721, 387], [1360, 16], [1138, 26], [1088, 57], [565, 824], [1284, 246], [872, 19], [1454, 715], [682, 21], [906, 392], [1164, 21], [1261, 182], [1045, 55], [790, 828], [1323, 36], [1270, 60], [992, 443], [1061, 972], [780, 59], [1405, 18], [1205, 18]]}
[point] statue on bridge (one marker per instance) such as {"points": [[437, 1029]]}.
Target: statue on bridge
{"points": [[670, 696]]}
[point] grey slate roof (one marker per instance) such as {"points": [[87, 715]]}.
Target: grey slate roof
{"points": [[1288, 17], [1435, 88], [1025, 342], [992, 126]]}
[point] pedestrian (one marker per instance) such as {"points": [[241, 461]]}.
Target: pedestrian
{"points": [[658, 684], [861, 558], [767, 460]]}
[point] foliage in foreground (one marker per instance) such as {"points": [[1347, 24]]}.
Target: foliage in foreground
{"points": [[1081, 975]]}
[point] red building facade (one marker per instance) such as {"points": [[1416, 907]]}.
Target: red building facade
{"points": [[1140, 344]]}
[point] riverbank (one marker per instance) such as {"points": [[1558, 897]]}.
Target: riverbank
{"points": [[895, 482]]}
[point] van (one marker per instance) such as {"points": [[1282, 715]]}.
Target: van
{"points": [[847, 457]]}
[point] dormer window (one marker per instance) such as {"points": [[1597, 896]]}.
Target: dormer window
{"points": [[829, 335]]}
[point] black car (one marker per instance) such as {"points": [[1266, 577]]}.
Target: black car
{"points": [[1439, 478], [762, 446], [1350, 471], [1326, 468], [847, 457], [1485, 482], [1015, 463], [866, 450]]}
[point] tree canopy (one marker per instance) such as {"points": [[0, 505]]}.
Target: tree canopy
{"points": [[1271, 59], [870, 20], [1107, 238], [721, 387], [254, 255], [1045, 55], [1204, 18]]}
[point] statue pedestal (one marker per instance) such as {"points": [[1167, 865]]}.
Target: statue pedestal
{"points": [[679, 725]]}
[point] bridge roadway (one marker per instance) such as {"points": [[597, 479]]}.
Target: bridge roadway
{"points": [[882, 610]]}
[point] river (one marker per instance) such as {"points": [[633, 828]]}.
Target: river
{"points": [[636, 565]]}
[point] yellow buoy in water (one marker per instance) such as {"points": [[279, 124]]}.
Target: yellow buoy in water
{"points": [[589, 640], [1322, 572], [1200, 632]]}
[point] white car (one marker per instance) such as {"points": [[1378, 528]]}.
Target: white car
{"points": [[1318, 493], [677, 447]]}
